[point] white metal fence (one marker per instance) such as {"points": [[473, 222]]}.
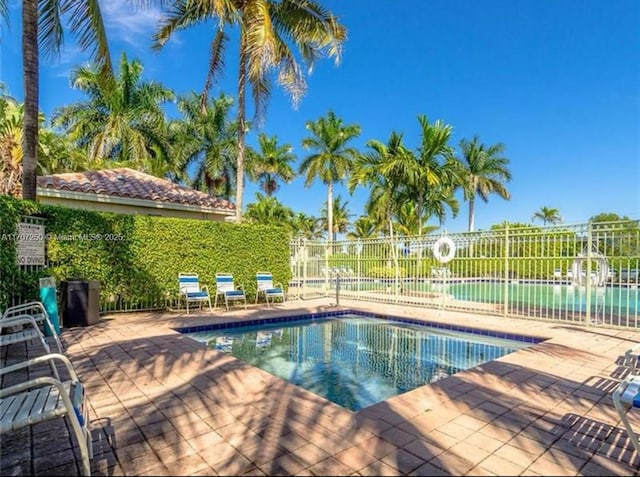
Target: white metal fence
{"points": [[587, 273]]}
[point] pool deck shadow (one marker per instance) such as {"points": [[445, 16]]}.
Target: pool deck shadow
{"points": [[164, 404]]}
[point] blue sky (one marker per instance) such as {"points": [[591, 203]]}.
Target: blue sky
{"points": [[557, 82]]}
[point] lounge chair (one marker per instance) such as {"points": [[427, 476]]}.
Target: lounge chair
{"points": [[23, 328], [45, 398], [192, 291], [37, 311], [440, 272], [625, 397], [226, 288], [266, 287]]}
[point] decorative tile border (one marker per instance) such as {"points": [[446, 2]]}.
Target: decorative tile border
{"points": [[327, 314]]}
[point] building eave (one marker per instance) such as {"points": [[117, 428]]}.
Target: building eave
{"points": [[130, 201]]}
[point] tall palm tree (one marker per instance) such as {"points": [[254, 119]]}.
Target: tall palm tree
{"points": [[483, 171], [547, 215], [340, 214], [270, 163], [332, 159], [204, 140], [122, 120], [429, 169], [267, 31], [42, 23], [371, 169]]}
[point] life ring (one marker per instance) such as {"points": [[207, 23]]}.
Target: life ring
{"points": [[599, 276], [447, 243]]}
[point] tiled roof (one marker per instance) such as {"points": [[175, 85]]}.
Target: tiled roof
{"points": [[124, 182]]}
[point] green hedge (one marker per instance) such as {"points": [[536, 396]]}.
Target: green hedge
{"points": [[137, 258]]}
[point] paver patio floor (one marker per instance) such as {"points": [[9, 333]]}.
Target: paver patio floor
{"points": [[164, 404]]}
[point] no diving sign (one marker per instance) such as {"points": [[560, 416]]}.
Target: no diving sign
{"points": [[30, 246]]}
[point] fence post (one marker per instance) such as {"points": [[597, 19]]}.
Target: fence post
{"points": [[326, 267], [359, 247], [507, 251], [587, 297], [305, 264], [397, 270]]}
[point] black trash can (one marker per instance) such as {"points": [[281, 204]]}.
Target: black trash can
{"points": [[79, 302]]}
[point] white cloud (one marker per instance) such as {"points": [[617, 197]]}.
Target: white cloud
{"points": [[129, 23]]}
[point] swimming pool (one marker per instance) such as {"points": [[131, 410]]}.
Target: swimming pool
{"points": [[355, 360], [609, 302], [618, 300]]}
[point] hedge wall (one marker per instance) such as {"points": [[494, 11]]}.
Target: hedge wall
{"points": [[138, 258]]}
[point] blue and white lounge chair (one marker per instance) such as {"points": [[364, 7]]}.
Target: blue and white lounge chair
{"points": [[226, 288], [43, 398], [626, 397], [192, 291], [267, 288]]}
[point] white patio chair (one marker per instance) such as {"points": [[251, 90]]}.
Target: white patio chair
{"points": [[190, 288], [231, 293], [45, 398], [22, 328], [625, 397], [266, 287], [37, 311]]}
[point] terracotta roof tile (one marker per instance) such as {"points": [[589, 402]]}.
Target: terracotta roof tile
{"points": [[125, 182]]}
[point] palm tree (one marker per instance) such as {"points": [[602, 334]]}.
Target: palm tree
{"points": [[364, 227], [332, 159], [204, 139], [372, 169], [307, 226], [42, 22], [270, 164], [483, 170], [11, 114], [56, 153], [267, 28], [409, 222], [431, 173], [340, 214], [548, 216], [269, 210], [122, 121]]}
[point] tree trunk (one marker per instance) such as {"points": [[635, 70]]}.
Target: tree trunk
{"points": [[330, 210], [242, 83], [471, 212], [30, 71], [419, 203]]}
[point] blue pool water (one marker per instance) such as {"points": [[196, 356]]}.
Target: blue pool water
{"points": [[354, 360], [610, 301]]}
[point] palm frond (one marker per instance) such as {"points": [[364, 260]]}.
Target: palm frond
{"points": [[88, 26]]}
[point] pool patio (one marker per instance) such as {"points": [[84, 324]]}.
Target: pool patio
{"points": [[164, 404]]}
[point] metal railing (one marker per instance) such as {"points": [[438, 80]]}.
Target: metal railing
{"points": [[586, 273]]}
